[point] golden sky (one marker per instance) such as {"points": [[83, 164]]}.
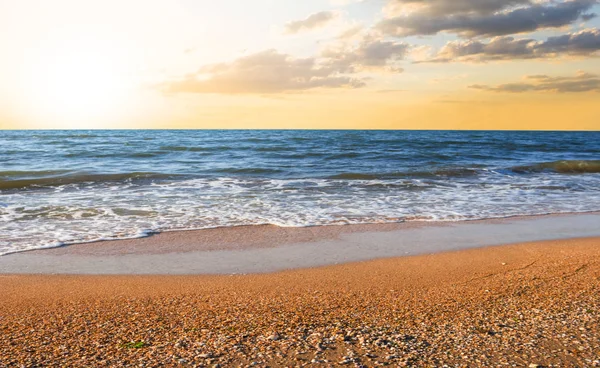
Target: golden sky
{"points": [[335, 64]]}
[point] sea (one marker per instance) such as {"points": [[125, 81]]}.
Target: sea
{"points": [[66, 187]]}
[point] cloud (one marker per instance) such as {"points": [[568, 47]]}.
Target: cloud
{"points": [[443, 7], [368, 54], [350, 32], [313, 21], [488, 18], [270, 71], [499, 48], [583, 43], [274, 72], [581, 82], [262, 73]]}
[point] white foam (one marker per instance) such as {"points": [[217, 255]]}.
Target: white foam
{"points": [[85, 213]]}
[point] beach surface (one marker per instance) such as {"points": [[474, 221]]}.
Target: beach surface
{"points": [[523, 305], [264, 249]]}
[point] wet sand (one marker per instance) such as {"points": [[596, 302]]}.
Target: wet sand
{"points": [[533, 304], [263, 249]]}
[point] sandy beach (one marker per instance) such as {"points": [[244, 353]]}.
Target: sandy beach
{"points": [[532, 304]]}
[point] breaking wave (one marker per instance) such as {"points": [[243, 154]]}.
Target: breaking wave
{"points": [[562, 167]]}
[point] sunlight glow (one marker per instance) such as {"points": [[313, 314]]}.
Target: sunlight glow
{"points": [[75, 83]]}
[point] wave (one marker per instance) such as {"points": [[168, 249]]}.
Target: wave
{"points": [[75, 178], [31, 174], [558, 167], [65, 136], [561, 167], [52, 178], [273, 149], [448, 172], [353, 176], [195, 148], [248, 170], [347, 155], [174, 148]]}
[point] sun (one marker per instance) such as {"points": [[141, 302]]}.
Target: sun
{"points": [[76, 84], [79, 83]]}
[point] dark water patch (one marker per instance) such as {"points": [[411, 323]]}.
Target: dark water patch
{"points": [[457, 173], [300, 139], [114, 155], [446, 172], [551, 187], [273, 149], [200, 149], [78, 178], [31, 174], [209, 149], [144, 154], [174, 148], [561, 167], [247, 170], [302, 155]]}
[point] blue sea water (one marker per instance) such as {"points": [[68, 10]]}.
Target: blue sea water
{"points": [[60, 187]]}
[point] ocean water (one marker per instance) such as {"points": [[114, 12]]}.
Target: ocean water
{"points": [[63, 187]]}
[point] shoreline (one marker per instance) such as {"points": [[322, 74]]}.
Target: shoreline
{"points": [[268, 248], [509, 305], [338, 229], [331, 230], [343, 228]]}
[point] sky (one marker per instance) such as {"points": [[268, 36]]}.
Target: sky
{"points": [[311, 64]]}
